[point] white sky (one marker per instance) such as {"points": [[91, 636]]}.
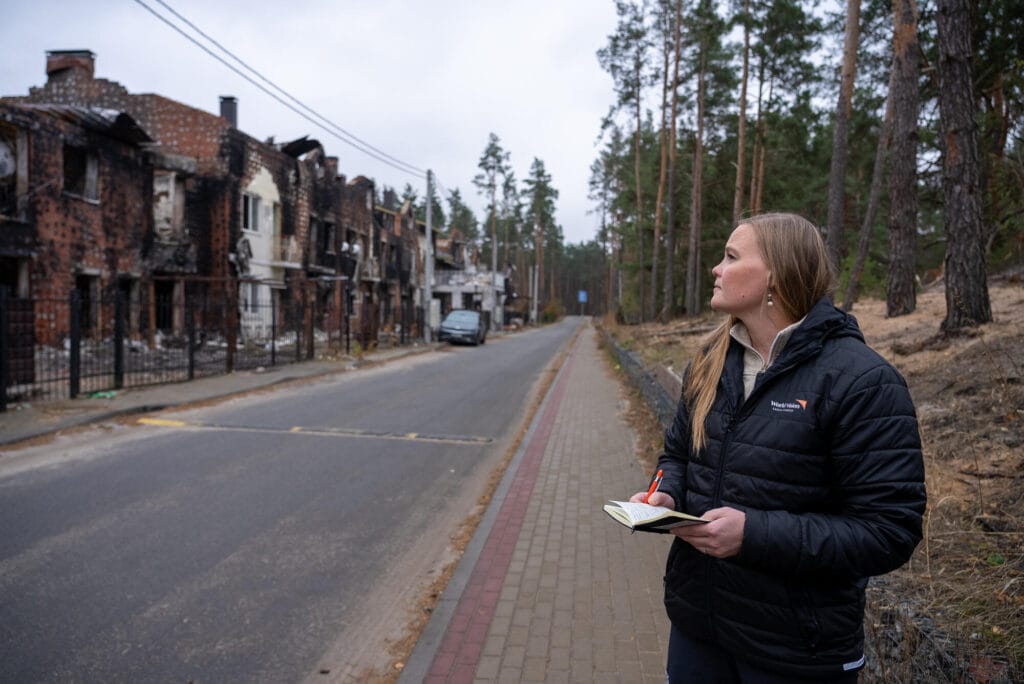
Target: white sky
{"points": [[425, 82]]}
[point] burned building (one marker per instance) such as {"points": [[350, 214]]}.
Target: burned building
{"points": [[76, 213], [235, 219]]}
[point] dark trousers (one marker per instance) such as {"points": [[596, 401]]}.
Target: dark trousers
{"points": [[703, 662]]}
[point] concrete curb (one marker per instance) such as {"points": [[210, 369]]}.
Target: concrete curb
{"points": [[653, 386], [194, 392]]}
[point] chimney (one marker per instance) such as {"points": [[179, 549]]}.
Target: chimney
{"points": [[62, 63], [229, 109], [332, 166]]}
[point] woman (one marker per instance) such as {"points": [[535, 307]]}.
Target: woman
{"points": [[800, 444]]}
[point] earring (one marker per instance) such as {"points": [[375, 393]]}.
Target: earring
{"points": [[771, 302]]}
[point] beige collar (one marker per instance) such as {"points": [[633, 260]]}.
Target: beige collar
{"points": [[740, 333]]}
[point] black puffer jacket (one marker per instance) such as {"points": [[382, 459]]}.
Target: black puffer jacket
{"points": [[824, 458]]}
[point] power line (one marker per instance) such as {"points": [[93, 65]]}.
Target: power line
{"points": [[331, 127], [283, 91]]}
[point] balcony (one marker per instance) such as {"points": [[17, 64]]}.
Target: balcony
{"points": [[458, 278]]}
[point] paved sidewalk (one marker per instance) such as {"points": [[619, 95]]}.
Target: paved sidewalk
{"points": [[550, 589], [27, 421]]}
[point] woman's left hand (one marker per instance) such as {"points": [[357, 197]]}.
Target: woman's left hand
{"points": [[721, 538]]}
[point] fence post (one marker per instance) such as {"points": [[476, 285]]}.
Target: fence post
{"points": [[348, 318], [75, 360], [4, 359], [119, 312], [273, 329], [298, 324], [231, 321], [190, 328], [310, 313]]}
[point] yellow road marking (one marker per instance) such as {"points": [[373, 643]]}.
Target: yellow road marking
{"points": [[163, 422], [322, 432]]}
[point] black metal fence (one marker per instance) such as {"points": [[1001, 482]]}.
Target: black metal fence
{"points": [[65, 348]]}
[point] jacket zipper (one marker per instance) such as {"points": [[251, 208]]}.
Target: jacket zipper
{"points": [[716, 501]]}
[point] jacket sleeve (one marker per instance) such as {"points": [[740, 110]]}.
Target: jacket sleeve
{"points": [[676, 454], [876, 488]]}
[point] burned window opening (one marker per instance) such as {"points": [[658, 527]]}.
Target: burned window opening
{"points": [[8, 172], [169, 206], [80, 173], [88, 287]]}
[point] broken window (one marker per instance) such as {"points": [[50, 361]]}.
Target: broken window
{"points": [[250, 212], [8, 172], [163, 300], [88, 287], [14, 275], [168, 206], [315, 231], [329, 238], [80, 173], [275, 218]]}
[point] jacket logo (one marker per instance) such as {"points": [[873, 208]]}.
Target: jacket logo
{"points": [[789, 406]]}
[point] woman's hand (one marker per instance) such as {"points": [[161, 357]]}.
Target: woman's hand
{"points": [[657, 499], [721, 538]]}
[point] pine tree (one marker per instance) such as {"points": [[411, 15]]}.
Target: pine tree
{"points": [[840, 144], [901, 294], [625, 58], [461, 217], [540, 214], [493, 165], [967, 301]]}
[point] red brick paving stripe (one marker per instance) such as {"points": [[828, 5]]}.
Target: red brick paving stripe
{"points": [[463, 641]]}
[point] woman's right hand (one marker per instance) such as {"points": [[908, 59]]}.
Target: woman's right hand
{"points": [[657, 499]]}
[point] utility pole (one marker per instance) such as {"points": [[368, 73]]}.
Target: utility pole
{"points": [[494, 273], [428, 266], [533, 299]]}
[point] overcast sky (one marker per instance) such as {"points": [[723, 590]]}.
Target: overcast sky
{"points": [[425, 82]]}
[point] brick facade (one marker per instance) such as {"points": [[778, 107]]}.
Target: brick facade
{"points": [[91, 237], [202, 171]]}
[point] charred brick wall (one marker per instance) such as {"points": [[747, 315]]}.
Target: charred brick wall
{"points": [[177, 127], [101, 237]]}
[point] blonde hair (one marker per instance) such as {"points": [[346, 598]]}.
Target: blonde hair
{"points": [[800, 273]]}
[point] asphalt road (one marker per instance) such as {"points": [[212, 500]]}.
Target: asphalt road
{"points": [[262, 539]]}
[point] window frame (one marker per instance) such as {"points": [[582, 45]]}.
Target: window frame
{"points": [[88, 172], [250, 212]]}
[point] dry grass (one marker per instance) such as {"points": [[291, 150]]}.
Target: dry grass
{"points": [[955, 613]]}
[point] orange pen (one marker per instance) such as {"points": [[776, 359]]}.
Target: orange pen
{"points": [[655, 483]]}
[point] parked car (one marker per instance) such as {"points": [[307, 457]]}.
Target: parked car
{"points": [[463, 325]]}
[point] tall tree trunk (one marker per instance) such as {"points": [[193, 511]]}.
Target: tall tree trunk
{"points": [[609, 255], [668, 305], [901, 293], [693, 264], [661, 182], [967, 301], [553, 287], [840, 148], [522, 274], [504, 259], [757, 195], [494, 236], [758, 142], [639, 209], [538, 246], [874, 196], [741, 143]]}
